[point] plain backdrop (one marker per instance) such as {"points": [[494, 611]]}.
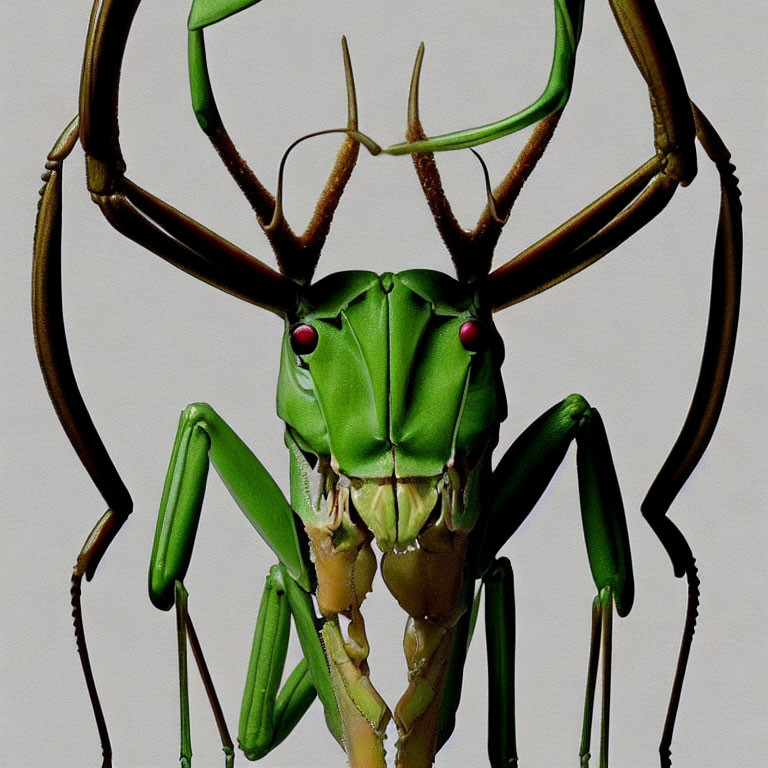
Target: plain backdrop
{"points": [[147, 339]]}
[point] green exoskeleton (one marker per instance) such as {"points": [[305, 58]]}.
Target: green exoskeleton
{"points": [[391, 395]]}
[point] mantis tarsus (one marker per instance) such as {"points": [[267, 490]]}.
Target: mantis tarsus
{"points": [[105, 170]]}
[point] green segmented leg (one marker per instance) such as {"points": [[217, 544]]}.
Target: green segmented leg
{"points": [[568, 21], [52, 347], [266, 716], [525, 471], [96, 127], [202, 437], [517, 483], [185, 632], [600, 645], [218, 714], [180, 601], [500, 644], [156, 226]]}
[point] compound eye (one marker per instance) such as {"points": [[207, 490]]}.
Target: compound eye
{"points": [[303, 339], [472, 335]]}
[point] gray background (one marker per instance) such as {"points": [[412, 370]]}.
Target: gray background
{"points": [[146, 340]]}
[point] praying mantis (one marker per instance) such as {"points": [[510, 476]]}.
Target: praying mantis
{"points": [[429, 290]]}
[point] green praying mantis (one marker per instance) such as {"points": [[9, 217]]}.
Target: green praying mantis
{"points": [[393, 450]]}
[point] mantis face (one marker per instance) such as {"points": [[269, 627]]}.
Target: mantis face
{"points": [[390, 390]]}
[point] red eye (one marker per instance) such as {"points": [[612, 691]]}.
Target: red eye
{"points": [[472, 335], [303, 339]]}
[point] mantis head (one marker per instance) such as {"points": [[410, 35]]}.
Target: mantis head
{"points": [[391, 393]]}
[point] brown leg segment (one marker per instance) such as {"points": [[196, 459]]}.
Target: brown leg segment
{"points": [[345, 565], [56, 366], [706, 404], [584, 238], [629, 206], [210, 691], [193, 248], [648, 42], [95, 545], [99, 135], [51, 339], [427, 582]]}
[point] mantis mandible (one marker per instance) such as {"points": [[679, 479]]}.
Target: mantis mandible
{"points": [[411, 472]]}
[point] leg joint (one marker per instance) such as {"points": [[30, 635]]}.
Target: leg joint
{"points": [[197, 413], [102, 176], [678, 165], [500, 569], [577, 407]]}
